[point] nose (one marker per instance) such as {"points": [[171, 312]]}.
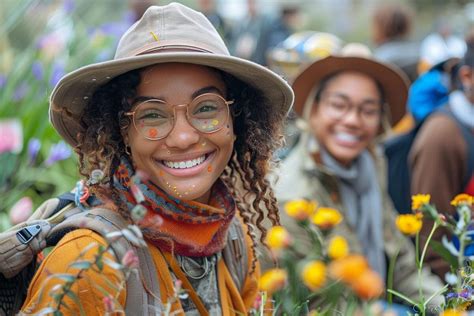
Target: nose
{"points": [[352, 117], [183, 134]]}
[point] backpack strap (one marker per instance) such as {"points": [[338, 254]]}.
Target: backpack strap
{"points": [[235, 253], [20, 244]]}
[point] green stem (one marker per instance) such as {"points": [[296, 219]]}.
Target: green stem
{"points": [[435, 226], [417, 250], [420, 266], [391, 269]]}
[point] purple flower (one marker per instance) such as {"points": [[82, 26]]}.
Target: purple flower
{"points": [[59, 151], [57, 74], [37, 70], [3, 81], [69, 6], [34, 146], [20, 91]]}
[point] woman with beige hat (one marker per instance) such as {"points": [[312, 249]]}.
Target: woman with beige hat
{"points": [[171, 135], [342, 101]]}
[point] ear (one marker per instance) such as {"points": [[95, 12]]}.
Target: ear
{"points": [[465, 76]]}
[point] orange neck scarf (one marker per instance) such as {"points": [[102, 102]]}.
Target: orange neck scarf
{"points": [[187, 228]]}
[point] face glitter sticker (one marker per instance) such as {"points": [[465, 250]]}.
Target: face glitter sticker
{"points": [[152, 132], [209, 168], [215, 122]]}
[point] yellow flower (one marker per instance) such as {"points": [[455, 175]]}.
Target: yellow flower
{"points": [[314, 274], [418, 200], [409, 224], [338, 247], [272, 280], [278, 238], [348, 268], [300, 209], [326, 217], [452, 312], [462, 199]]}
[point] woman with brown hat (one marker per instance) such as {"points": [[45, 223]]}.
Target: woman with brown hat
{"points": [[343, 101], [171, 135]]}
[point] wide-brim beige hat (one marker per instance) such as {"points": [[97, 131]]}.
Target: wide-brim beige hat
{"points": [[171, 33], [393, 81]]}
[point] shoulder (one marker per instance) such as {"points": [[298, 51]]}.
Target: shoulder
{"points": [[438, 134]]}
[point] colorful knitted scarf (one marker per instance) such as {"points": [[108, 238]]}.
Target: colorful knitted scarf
{"points": [[187, 228]]}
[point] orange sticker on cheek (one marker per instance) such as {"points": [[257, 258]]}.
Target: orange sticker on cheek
{"points": [[209, 168], [152, 132]]}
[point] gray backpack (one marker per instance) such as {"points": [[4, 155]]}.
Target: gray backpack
{"points": [[56, 217]]}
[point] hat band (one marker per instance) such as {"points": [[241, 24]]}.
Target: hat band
{"points": [[156, 48]]}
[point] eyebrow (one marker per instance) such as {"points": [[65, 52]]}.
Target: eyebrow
{"points": [[208, 89]]}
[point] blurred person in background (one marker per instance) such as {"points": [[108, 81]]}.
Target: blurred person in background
{"points": [[247, 39], [392, 25], [442, 156], [440, 45], [208, 8], [258, 33], [344, 100]]}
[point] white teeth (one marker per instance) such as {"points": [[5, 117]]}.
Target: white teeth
{"points": [[347, 137], [185, 164]]}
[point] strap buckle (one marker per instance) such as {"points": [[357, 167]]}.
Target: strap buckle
{"points": [[25, 235]]}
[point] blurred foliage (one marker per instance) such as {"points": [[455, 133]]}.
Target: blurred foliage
{"points": [[40, 42]]}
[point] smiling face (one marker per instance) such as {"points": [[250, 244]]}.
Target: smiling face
{"points": [[187, 162], [346, 136]]}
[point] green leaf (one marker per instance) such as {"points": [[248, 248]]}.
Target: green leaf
{"points": [[402, 297], [444, 253], [83, 265], [65, 276]]}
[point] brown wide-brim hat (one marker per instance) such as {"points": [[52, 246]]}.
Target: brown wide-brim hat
{"points": [[393, 81], [165, 34]]}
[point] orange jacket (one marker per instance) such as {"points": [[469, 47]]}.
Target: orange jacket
{"points": [[90, 288]]}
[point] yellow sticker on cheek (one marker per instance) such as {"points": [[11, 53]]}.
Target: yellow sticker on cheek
{"points": [[215, 122]]}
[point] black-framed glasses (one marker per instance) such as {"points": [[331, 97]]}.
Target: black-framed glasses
{"points": [[154, 119], [336, 107]]}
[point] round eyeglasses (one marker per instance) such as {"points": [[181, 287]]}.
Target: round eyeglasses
{"points": [[154, 119], [336, 107]]}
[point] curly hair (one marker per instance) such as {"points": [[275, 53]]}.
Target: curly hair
{"points": [[256, 125]]}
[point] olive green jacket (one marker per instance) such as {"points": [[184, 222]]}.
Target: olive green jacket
{"points": [[301, 176]]}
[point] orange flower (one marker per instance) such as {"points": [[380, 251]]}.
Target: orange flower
{"points": [[326, 217], [418, 200], [347, 269], [278, 238], [300, 209], [409, 224], [368, 285], [462, 199], [314, 274], [338, 247], [272, 280]]}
